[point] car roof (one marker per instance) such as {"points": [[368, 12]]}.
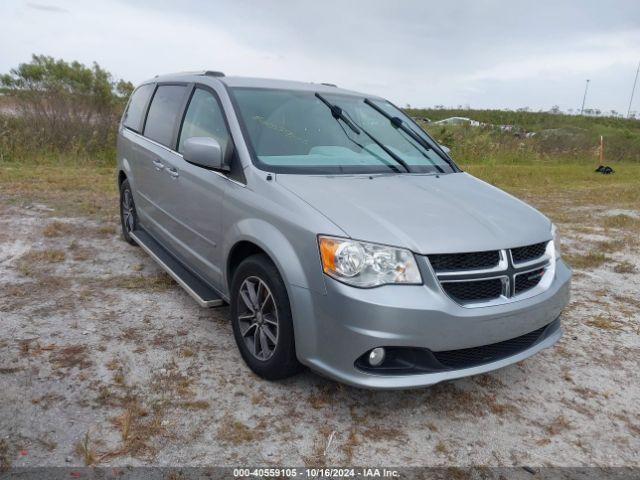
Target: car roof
{"points": [[208, 76]]}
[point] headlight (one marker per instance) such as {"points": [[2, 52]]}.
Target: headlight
{"points": [[556, 240], [363, 264]]}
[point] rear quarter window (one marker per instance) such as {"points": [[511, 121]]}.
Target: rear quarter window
{"points": [[164, 111], [135, 110]]}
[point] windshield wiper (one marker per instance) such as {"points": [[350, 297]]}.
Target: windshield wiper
{"points": [[399, 123], [339, 114]]}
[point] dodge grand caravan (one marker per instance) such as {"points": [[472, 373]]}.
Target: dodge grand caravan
{"points": [[342, 236]]}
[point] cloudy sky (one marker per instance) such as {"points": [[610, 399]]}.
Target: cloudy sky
{"points": [[485, 54]]}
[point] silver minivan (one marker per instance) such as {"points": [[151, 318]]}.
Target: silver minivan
{"points": [[342, 236]]}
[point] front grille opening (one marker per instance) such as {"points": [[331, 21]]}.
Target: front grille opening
{"points": [[528, 253], [489, 353], [473, 291], [451, 262], [409, 360], [526, 281]]}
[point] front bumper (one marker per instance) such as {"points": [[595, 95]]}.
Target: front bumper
{"points": [[335, 329]]}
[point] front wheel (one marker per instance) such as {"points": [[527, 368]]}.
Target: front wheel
{"points": [[128, 215], [261, 319]]}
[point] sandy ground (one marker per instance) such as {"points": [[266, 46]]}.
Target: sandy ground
{"points": [[105, 360]]}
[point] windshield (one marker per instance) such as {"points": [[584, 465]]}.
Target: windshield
{"points": [[295, 132]]}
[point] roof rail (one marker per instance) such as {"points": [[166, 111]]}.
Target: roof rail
{"points": [[212, 73], [329, 84]]}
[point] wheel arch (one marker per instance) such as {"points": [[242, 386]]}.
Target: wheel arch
{"points": [[253, 236], [122, 176], [241, 250]]}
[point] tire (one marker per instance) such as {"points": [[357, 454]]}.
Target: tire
{"points": [[128, 214], [253, 326]]}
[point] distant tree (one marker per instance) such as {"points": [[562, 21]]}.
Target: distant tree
{"points": [[555, 109], [67, 101]]}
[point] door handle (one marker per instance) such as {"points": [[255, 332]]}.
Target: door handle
{"points": [[173, 172], [158, 164]]}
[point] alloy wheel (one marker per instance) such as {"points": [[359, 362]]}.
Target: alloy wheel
{"points": [[258, 318], [128, 210]]}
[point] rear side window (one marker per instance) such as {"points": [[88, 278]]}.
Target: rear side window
{"points": [[204, 118], [135, 111], [163, 113]]}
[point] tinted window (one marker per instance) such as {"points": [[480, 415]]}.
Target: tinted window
{"points": [[135, 111], [163, 113], [204, 118]]}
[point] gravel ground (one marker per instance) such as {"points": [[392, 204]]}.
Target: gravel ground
{"points": [[105, 360]]}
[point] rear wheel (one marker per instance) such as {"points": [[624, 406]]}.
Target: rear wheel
{"points": [[128, 215], [261, 319]]}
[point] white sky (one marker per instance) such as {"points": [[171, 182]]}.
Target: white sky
{"points": [[486, 54]]}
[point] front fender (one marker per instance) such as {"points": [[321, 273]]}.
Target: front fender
{"points": [[300, 268], [299, 265]]}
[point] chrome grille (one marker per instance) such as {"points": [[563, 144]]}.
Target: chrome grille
{"points": [[495, 276]]}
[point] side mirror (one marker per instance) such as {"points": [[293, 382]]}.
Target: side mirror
{"points": [[445, 149], [204, 152]]}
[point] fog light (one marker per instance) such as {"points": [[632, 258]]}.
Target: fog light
{"points": [[376, 356]]}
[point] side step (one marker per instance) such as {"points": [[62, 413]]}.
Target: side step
{"points": [[200, 291]]}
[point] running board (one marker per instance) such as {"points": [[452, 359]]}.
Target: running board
{"points": [[200, 291]]}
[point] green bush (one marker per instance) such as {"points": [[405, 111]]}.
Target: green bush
{"points": [[55, 108]]}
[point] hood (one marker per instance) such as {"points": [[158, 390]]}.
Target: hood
{"points": [[424, 213]]}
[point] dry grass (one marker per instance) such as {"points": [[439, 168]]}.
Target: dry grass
{"points": [[171, 382], [72, 356], [5, 457], [625, 267], [70, 188], [353, 440], [319, 449], [323, 396], [106, 230], [187, 352], [441, 448], [29, 263], [85, 450], [47, 400], [586, 261], [138, 427], [611, 246], [235, 432], [559, 425], [57, 229], [157, 282], [379, 433], [621, 221], [195, 405], [604, 323]]}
